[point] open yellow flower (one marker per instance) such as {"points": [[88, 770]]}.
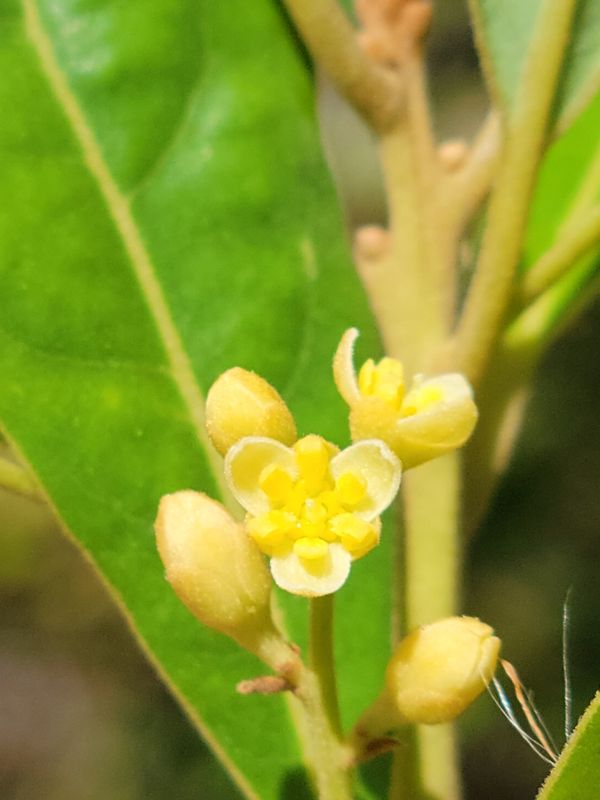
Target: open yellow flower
{"points": [[312, 508], [435, 416]]}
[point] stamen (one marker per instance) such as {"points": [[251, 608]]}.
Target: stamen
{"points": [[269, 530], [420, 399], [366, 377], [276, 483], [312, 457], [384, 380], [351, 489], [311, 548], [313, 519], [355, 535]]}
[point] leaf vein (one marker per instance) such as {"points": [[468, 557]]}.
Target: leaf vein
{"points": [[120, 211]]}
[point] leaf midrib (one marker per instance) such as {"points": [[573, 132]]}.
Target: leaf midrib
{"points": [[120, 212]]}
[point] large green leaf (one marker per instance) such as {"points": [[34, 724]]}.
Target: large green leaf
{"points": [[503, 31], [576, 775], [166, 215]]}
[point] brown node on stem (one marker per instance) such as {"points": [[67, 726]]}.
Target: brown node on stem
{"points": [[453, 153], [393, 29], [264, 684], [372, 749], [371, 242]]}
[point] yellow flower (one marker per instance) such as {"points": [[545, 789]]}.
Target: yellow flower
{"points": [[311, 508], [435, 416]]}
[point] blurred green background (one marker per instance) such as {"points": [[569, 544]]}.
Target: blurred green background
{"points": [[82, 715]]}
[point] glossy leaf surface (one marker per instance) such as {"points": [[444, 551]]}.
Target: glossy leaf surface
{"points": [[568, 185], [167, 215]]}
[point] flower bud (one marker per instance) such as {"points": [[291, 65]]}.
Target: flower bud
{"points": [[434, 675], [215, 569], [241, 403], [439, 669]]}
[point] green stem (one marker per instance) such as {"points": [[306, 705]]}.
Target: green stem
{"points": [[317, 715], [432, 559], [322, 658], [490, 292], [16, 479], [410, 297]]}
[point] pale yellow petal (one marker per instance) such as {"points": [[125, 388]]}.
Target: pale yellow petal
{"points": [[373, 462], [244, 464], [297, 576], [344, 373], [439, 429]]}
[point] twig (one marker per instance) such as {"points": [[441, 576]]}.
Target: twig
{"points": [[372, 89]]}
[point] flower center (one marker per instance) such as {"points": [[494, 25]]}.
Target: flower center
{"points": [[385, 380], [312, 510]]}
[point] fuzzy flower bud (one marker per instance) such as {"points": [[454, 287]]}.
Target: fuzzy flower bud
{"points": [[241, 403], [436, 672], [439, 669], [216, 569]]}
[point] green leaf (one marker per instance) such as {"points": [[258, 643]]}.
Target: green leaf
{"points": [[503, 30], [576, 775], [568, 184], [569, 178], [166, 215]]}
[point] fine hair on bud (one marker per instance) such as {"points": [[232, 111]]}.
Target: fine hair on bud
{"points": [[215, 568], [241, 403]]}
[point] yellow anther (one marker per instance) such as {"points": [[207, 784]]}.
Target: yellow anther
{"points": [[366, 377], [312, 457], [355, 535], [384, 380], [311, 548], [314, 511], [269, 530], [332, 502], [277, 484], [350, 489], [420, 399], [313, 518], [297, 498]]}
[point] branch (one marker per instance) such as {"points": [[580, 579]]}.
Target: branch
{"points": [[467, 187], [576, 242], [491, 289], [332, 42]]}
